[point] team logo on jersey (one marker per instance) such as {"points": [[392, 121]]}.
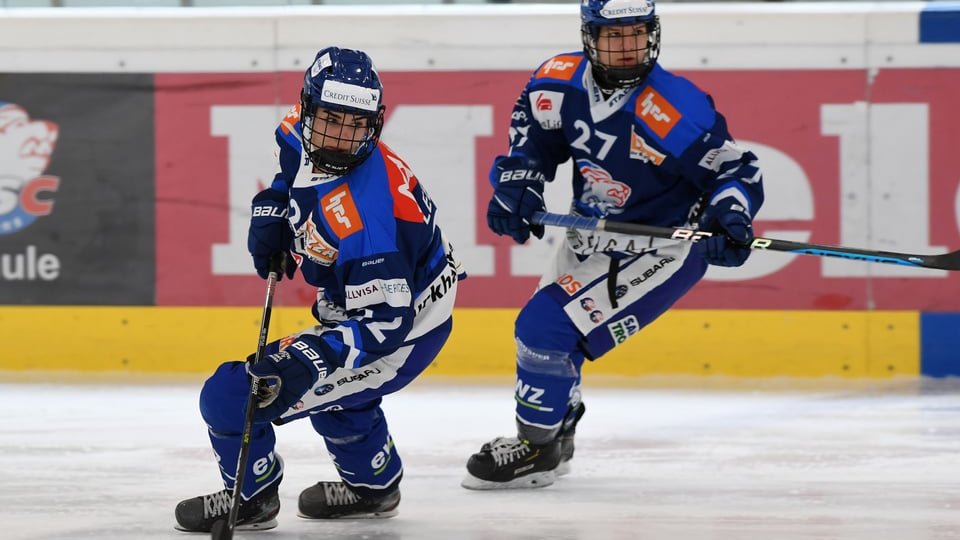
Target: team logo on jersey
{"points": [[560, 67], [341, 212], [311, 243], [601, 192], [25, 149], [624, 328], [545, 105], [655, 111], [639, 149]]}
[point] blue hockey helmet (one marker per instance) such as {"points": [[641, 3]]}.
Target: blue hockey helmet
{"points": [[619, 61], [341, 109]]}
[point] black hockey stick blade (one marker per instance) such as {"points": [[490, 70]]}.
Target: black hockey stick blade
{"points": [[221, 530], [945, 261]]}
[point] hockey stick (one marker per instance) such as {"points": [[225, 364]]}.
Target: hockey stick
{"points": [[223, 529], [945, 261]]}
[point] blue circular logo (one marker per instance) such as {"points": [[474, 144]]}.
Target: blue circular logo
{"points": [[321, 390]]}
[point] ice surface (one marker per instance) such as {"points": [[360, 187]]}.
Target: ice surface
{"points": [[110, 461]]}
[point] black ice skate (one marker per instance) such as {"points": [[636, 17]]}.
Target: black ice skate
{"points": [[200, 513], [567, 432], [334, 500], [509, 463]]}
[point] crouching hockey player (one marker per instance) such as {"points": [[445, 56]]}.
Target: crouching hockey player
{"points": [[648, 147], [350, 213]]}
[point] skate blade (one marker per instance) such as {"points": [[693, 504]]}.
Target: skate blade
{"points": [[563, 468], [262, 526], [367, 515], [530, 481]]}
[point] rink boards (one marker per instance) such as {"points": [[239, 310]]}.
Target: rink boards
{"points": [[682, 342], [126, 250]]}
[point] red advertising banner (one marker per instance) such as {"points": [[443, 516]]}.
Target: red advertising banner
{"points": [[850, 158]]}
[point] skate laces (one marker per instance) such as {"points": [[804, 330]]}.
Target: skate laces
{"points": [[507, 450], [216, 504], [337, 494]]}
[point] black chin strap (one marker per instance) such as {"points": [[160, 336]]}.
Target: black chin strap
{"points": [[603, 82]]}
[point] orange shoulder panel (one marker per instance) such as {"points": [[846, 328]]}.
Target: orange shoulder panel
{"points": [[560, 67], [402, 183]]}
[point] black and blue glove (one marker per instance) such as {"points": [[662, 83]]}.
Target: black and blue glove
{"points": [[517, 195], [285, 377], [270, 232], [732, 226]]}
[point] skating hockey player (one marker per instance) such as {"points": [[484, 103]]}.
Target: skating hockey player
{"points": [[647, 146], [350, 214]]}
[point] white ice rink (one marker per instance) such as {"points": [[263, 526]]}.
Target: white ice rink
{"points": [[106, 462]]}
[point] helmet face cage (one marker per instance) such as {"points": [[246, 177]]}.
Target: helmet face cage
{"points": [[339, 140], [341, 113], [597, 14]]}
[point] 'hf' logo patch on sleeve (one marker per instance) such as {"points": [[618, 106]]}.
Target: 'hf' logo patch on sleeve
{"points": [[340, 212], [655, 111], [560, 67]]}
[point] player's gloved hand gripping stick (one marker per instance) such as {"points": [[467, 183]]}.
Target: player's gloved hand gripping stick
{"points": [[223, 529], [944, 261]]}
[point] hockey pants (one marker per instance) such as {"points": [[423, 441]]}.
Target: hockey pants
{"points": [[572, 317], [344, 408]]}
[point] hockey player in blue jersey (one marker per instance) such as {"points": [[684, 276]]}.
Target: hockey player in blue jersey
{"points": [[647, 147], [350, 213]]}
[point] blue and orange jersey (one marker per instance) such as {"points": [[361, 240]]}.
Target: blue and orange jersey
{"points": [[370, 243], [654, 154]]}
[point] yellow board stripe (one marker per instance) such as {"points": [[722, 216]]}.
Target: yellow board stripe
{"points": [[683, 342]]}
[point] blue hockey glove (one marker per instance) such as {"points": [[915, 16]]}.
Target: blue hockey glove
{"points": [[270, 232], [518, 193], [733, 231], [285, 377]]}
